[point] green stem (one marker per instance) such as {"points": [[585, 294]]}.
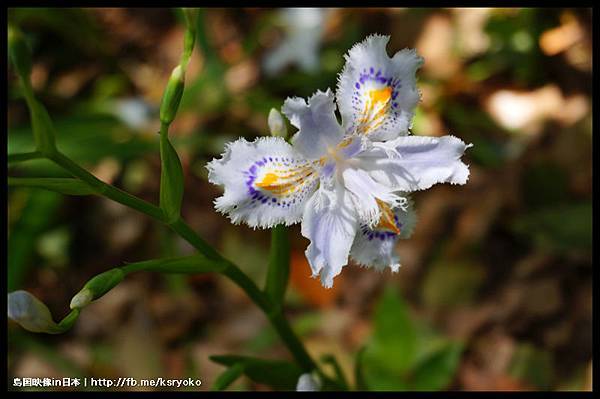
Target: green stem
{"points": [[25, 156], [183, 265], [275, 316], [273, 312], [279, 265], [107, 190], [228, 377], [188, 234], [293, 342]]}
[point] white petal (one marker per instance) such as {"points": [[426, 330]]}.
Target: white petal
{"points": [[266, 182], [319, 128], [420, 162], [376, 247], [31, 313], [304, 30], [306, 382], [377, 95], [365, 193], [330, 223]]}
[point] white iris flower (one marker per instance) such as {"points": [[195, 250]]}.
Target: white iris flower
{"points": [[303, 33], [347, 183]]}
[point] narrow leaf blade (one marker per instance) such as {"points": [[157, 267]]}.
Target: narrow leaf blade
{"points": [[278, 374], [171, 180]]}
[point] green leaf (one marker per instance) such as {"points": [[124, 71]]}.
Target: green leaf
{"points": [[171, 179], [60, 185], [278, 374], [279, 264], [228, 377], [404, 354], [33, 315], [395, 338], [438, 370], [43, 129], [381, 378]]}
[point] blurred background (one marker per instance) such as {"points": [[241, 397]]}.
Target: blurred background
{"points": [[494, 292]]}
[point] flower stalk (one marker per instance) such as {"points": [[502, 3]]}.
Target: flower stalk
{"points": [[208, 259]]}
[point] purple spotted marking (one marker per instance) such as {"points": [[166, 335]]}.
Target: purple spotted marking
{"points": [[260, 196], [381, 235]]}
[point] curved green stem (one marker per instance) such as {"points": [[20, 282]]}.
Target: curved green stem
{"points": [[272, 311], [105, 189], [24, 156], [188, 234]]}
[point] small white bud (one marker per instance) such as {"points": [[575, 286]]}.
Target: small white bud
{"points": [[30, 313], [82, 299], [277, 124]]}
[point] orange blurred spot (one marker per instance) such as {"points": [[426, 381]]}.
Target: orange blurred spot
{"points": [[435, 44], [310, 288], [556, 40]]}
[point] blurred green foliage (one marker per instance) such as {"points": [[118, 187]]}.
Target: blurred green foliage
{"points": [[404, 354]]}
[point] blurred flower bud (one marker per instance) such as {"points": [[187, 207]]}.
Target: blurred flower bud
{"points": [[31, 313], [96, 287], [277, 124], [172, 96], [307, 382]]}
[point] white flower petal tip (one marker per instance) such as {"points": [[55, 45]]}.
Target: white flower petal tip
{"points": [[424, 161], [377, 94], [316, 121], [306, 383], [330, 222], [266, 182]]}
